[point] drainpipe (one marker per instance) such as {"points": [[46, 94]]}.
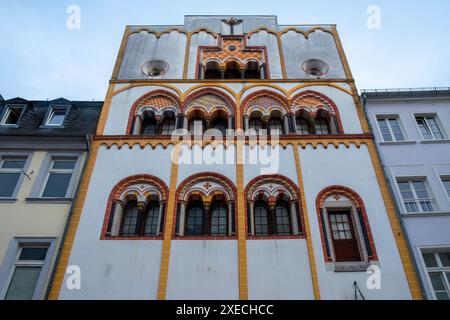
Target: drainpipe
{"points": [[397, 209], [88, 139]]}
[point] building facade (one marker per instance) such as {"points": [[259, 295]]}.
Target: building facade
{"points": [[411, 128], [219, 210], [43, 150]]}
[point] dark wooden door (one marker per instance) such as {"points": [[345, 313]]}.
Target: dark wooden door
{"points": [[343, 234]]}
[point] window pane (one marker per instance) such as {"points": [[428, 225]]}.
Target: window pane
{"points": [[321, 126], [282, 218], [424, 128], [302, 125], [8, 182], [57, 185], [261, 219], [13, 115], [14, 164], [447, 185], [194, 225], [23, 283], [33, 254], [405, 190], [151, 222], [219, 220], [130, 220], [64, 164], [430, 260], [445, 259], [384, 130], [57, 117], [396, 129], [435, 128]]}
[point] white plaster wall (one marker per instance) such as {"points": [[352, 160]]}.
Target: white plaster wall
{"points": [[208, 161], [282, 162], [269, 40], [318, 45], [106, 263], [144, 46], [352, 168], [279, 269], [203, 270], [198, 39]]}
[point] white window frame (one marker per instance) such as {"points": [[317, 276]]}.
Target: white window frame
{"points": [[445, 178], [386, 117], [52, 113], [10, 262], [416, 200], [8, 111], [4, 157], [440, 267], [438, 123], [50, 170]]}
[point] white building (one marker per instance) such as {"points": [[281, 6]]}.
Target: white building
{"points": [[411, 128], [305, 223]]}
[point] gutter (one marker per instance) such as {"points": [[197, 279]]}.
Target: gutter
{"points": [[88, 139], [397, 209]]}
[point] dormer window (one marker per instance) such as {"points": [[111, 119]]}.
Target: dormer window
{"points": [[12, 115], [56, 116]]}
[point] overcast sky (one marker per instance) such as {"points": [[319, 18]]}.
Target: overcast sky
{"points": [[41, 58]]}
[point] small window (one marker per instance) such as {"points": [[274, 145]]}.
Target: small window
{"points": [[195, 217], [12, 115], [149, 126], [415, 196], [26, 272], [59, 177], [275, 124], [302, 125], [390, 129], [446, 182], [321, 126], [155, 68], [429, 128], [56, 117], [438, 267], [11, 169], [256, 124], [130, 220], [168, 126], [315, 67], [218, 219]]}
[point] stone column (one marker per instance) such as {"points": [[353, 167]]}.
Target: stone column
{"points": [[182, 218], [117, 220], [286, 124], [294, 220], [252, 219], [230, 218], [160, 215], [246, 123]]}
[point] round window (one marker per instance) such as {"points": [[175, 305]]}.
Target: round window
{"points": [[315, 67], [155, 68]]}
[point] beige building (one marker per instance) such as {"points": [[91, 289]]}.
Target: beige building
{"points": [[43, 149]]}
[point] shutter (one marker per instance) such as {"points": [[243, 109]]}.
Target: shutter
{"points": [[248, 218], [325, 236], [299, 220], [111, 218], [163, 212], [364, 231], [177, 225]]}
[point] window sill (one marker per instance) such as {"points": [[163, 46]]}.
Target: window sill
{"points": [[49, 200], [395, 143], [426, 214], [131, 238], [8, 200], [9, 126], [233, 237], [357, 266], [435, 141], [275, 237]]}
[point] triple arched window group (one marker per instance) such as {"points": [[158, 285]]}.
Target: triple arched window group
{"points": [[273, 210]]}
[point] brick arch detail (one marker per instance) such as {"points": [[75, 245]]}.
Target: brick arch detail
{"points": [[195, 177], [209, 90], [330, 102], [136, 104], [123, 185], [259, 93], [358, 202]]}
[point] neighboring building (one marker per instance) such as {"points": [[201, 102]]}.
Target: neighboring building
{"points": [[147, 227], [43, 149], [411, 128]]}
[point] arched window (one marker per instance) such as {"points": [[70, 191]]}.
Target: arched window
{"points": [[212, 70], [261, 213], [196, 126], [130, 222], [195, 218], [151, 219], [256, 124], [168, 125], [220, 124], [303, 126], [252, 71], [218, 219], [149, 125], [321, 126], [283, 224], [232, 70], [275, 123]]}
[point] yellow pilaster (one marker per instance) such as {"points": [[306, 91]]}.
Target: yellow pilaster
{"points": [[73, 225], [168, 229], [312, 259], [405, 256]]}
